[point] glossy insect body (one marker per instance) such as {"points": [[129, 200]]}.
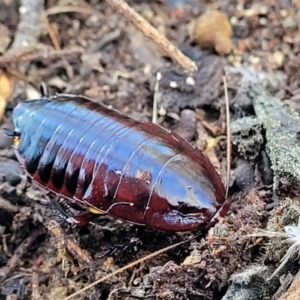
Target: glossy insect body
{"points": [[137, 172]]}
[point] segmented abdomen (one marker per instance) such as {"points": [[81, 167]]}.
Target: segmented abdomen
{"points": [[89, 153]]}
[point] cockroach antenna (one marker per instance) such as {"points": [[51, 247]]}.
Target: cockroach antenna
{"points": [[129, 266], [44, 90], [228, 159]]}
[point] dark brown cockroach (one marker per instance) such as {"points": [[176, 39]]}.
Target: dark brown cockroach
{"points": [[137, 172]]}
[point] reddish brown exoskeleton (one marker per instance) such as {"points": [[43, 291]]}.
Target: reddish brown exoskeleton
{"points": [[110, 163]]}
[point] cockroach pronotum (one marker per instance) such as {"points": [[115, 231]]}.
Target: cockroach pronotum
{"points": [[112, 164]]}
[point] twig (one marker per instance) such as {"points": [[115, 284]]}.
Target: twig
{"points": [[156, 97], [81, 255], [35, 285], [18, 253], [59, 10], [35, 277], [129, 266], [164, 44], [69, 9], [30, 25], [228, 134], [56, 44], [37, 52], [51, 32]]}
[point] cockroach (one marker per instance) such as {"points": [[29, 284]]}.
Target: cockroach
{"points": [[112, 164]]}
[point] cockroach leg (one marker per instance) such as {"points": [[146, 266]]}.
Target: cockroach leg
{"points": [[82, 219], [121, 250], [65, 213], [62, 206]]}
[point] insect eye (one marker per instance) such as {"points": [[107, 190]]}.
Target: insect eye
{"points": [[14, 134], [10, 132]]}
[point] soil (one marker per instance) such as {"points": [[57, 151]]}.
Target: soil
{"points": [[92, 50]]}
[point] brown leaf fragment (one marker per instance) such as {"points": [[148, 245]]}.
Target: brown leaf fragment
{"points": [[211, 153], [202, 136], [6, 87], [5, 38]]}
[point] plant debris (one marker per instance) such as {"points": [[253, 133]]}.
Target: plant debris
{"points": [[282, 125], [94, 50]]}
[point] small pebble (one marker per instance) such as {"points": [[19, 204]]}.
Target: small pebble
{"points": [[213, 30], [278, 57]]}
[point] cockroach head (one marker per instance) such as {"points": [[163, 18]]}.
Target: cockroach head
{"points": [[14, 134]]}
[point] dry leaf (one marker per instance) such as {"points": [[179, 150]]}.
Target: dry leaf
{"points": [[109, 263], [5, 38], [6, 87], [211, 153], [194, 258]]}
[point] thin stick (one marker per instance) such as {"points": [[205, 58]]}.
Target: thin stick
{"points": [[35, 284], [18, 253], [81, 255], [67, 9], [129, 266], [37, 52], [51, 32], [164, 44], [228, 134], [156, 97]]}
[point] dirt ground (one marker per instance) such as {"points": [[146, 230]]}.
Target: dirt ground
{"points": [[88, 48]]}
